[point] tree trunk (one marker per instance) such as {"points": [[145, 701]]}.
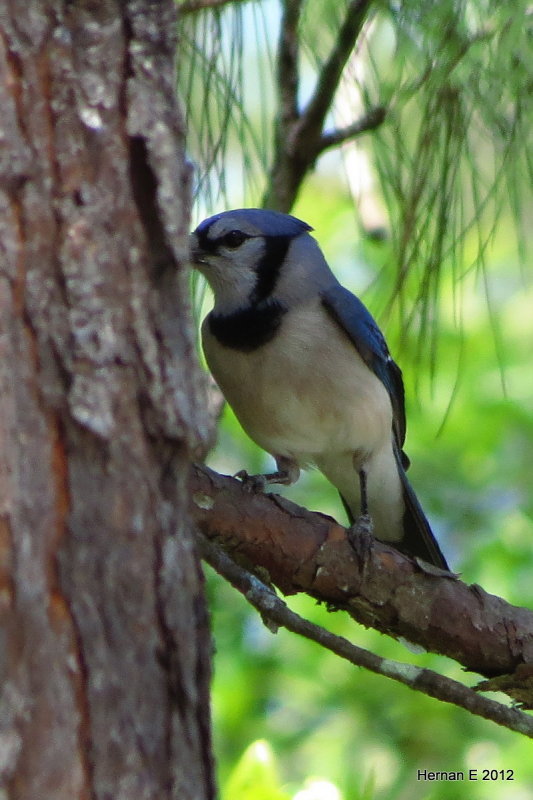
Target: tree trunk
{"points": [[104, 643]]}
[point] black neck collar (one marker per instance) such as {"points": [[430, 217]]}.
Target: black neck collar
{"points": [[248, 328]]}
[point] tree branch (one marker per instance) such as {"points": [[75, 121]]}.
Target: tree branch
{"points": [[371, 120], [312, 119], [275, 611], [378, 586], [287, 63], [298, 139]]}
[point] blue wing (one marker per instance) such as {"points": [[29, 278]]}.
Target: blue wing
{"points": [[356, 321]]}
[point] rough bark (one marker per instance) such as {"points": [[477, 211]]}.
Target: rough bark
{"points": [[104, 651], [302, 551]]}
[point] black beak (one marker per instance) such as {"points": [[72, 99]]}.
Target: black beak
{"points": [[196, 251]]}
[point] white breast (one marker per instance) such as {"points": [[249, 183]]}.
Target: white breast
{"points": [[307, 392]]}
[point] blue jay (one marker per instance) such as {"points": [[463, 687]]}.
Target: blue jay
{"points": [[307, 371]]}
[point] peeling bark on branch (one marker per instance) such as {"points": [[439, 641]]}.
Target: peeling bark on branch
{"points": [[276, 613], [379, 587]]}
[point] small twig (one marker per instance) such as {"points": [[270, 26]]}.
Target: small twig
{"points": [[371, 120], [287, 63], [283, 182], [275, 610], [299, 133], [312, 119], [304, 551]]}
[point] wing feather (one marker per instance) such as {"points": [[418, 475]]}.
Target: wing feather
{"points": [[362, 329]]}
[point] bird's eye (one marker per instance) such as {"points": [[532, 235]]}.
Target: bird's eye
{"points": [[233, 239]]}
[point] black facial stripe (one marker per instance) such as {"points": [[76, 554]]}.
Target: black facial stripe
{"points": [[269, 267], [204, 242], [248, 328]]}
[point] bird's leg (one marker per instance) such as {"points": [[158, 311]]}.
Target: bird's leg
{"points": [[364, 493], [287, 472], [364, 522], [360, 531]]}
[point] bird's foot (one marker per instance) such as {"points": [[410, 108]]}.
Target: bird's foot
{"points": [[363, 526], [288, 472], [361, 535], [252, 483]]}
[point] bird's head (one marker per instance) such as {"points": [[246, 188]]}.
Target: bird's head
{"points": [[251, 254]]}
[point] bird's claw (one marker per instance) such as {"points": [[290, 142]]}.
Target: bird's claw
{"points": [[363, 525], [361, 535], [252, 483]]}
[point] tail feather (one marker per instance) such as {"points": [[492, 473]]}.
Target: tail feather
{"points": [[418, 539]]}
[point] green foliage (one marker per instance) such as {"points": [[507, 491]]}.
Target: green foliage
{"points": [[255, 776], [455, 154], [472, 468], [227, 113], [453, 162]]}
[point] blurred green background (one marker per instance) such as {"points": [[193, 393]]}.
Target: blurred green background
{"points": [[472, 467], [290, 720]]}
